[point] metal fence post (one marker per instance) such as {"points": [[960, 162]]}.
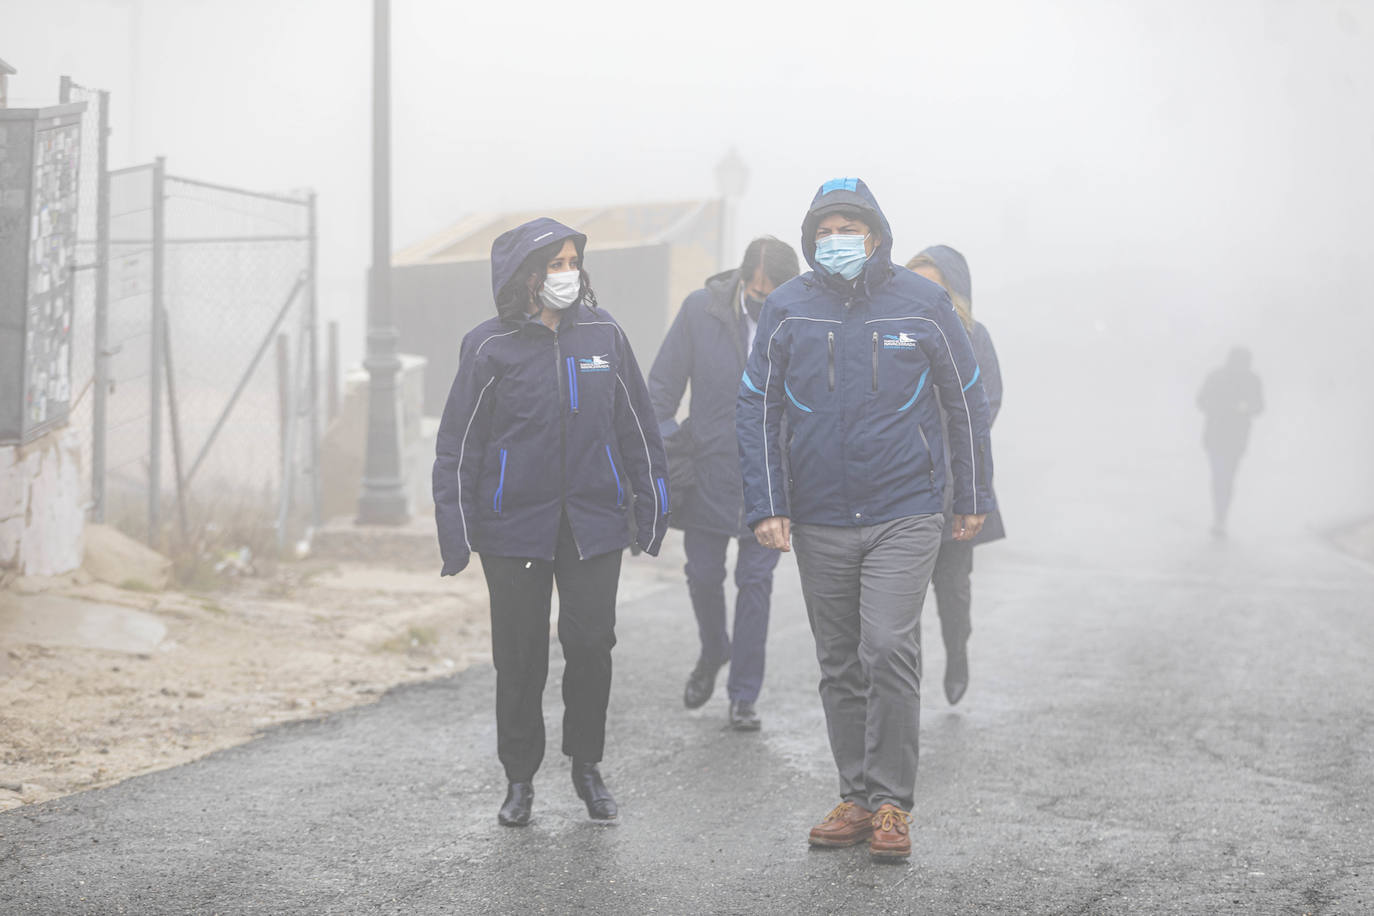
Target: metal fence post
{"points": [[314, 318], [155, 355], [283, 391], [332, 371], [102, 317]]}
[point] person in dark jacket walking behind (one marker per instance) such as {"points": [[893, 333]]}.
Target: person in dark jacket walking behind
{"points": [[954, 564], [1230, 398], [547, 432], [707, 346], [854, 352]]}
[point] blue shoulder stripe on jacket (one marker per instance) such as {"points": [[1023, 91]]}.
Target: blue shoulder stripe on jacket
{"points": [[920, 384], [977, 370]]}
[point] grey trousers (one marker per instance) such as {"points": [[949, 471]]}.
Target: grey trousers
{"points": [[864, 587]]}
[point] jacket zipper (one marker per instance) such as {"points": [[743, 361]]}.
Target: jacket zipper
{"points": [[875, 360], [619, 489], [562, 441], [572, 383], [500, 485], [930, 454], [830, 341]]}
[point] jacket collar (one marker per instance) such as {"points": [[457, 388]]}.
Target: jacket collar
{"points": [[724, 302], [569, 318]]}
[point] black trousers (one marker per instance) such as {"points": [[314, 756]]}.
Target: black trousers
{"points": [[521, 593], [953, 592]]}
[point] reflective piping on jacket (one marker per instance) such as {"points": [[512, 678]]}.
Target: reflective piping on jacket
{"points": [[977, 370], [490, 339], [972, 450], [919, 385], [768, 380], [462, 447], [648, 457]]}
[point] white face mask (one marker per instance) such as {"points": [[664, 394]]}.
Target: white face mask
{"points": [[561, 290]]}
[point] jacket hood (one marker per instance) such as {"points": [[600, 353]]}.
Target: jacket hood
{"points": [[847, 192], [511, 248], [953, 268], [724, 290]]}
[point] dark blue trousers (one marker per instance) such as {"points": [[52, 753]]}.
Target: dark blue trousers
{"points": [[706, 583]]}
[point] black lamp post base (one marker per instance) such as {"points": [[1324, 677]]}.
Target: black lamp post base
{"points": [[383, 503]]}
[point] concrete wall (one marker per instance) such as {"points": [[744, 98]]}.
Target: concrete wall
{"points": [[41, 511]]}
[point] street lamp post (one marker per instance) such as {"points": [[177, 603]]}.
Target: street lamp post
{"points": [[383, 497], [732, 177]]}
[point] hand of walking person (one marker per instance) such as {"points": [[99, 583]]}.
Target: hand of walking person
{"points": [[776, 532], [966, 527]]}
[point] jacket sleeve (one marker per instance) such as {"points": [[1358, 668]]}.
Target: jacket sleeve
{"points": [[991, 376], [758, 421], [461, 443], [641, 447], [671, 370], [957, 374]]}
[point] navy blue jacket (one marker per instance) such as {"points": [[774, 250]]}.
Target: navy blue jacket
{"points": [[541, 422], [856, 367], [706, 346], [954, 269], [990, 377]]}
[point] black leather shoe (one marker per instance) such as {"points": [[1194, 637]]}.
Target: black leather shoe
{"points": [[701, 683], [586, 779], [515, 810], [956, 674], [743, 718]]}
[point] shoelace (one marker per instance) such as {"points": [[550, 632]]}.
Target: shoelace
{"points": [[888, 818], [840, 811]]}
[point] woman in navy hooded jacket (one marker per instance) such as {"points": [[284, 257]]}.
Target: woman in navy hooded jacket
{"points": [[954, 565], [547, 435]]}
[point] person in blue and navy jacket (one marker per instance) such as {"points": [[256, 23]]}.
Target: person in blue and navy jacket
{"points": [[855, 352], [547, 441]]}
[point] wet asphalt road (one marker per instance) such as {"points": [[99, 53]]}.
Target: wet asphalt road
{"points": [[1157, 723], [1189, 732]]}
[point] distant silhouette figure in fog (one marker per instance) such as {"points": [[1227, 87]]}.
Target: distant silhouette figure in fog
{"points": [[1229, 399]]}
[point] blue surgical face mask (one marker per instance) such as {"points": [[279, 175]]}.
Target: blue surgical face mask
{"points": [[842, 254]]}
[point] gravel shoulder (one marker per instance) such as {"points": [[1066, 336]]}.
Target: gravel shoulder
{"points": [[311, 640]]}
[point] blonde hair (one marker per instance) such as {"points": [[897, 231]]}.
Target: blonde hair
{"points": [[962, 307]]}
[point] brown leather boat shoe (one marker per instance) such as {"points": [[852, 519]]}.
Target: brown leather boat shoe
{"points": [[847, 825], [891, 840]]}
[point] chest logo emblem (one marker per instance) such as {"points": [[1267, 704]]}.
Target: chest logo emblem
{"points": [[902, 340], [594, 364]]}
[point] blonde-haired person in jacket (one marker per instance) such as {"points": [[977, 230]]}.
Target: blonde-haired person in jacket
{"points": [[954, 564]]}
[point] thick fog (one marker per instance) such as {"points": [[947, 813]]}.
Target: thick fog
{"points": [[1137, 186]]}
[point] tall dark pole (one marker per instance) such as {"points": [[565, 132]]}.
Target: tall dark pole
{"points": [[383, 498]]}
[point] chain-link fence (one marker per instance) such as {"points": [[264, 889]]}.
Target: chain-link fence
{"points": [[240, 351], [195, 364]]}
